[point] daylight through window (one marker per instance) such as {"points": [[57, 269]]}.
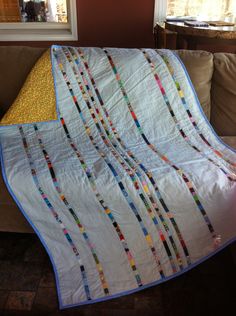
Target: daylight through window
{"points": [[33, 11], [215, 9]]}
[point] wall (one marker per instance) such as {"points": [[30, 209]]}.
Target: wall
{"points": [[117, 23]]}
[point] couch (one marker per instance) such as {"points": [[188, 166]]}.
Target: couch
{"points": [[213, 76]]}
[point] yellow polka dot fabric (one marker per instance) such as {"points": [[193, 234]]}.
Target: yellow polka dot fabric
{"points": [[36, 100]]}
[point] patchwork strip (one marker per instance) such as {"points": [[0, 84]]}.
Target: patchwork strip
{"points": [[54, 213], [231, 177], [72, 212], [129, 172], [190, 115], [135, 168], [179, 171], [114, 172]]}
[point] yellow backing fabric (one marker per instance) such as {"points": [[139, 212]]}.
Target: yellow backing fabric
{"points": [[36, 100]]}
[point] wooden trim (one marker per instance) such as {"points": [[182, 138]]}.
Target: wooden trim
{"points": [[164, 38]]}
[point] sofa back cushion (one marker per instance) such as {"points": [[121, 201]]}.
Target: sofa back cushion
{"points": [[223, 93], [199, 65], [15, 64]]}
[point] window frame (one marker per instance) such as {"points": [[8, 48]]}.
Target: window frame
{"points": [[42, 31]]}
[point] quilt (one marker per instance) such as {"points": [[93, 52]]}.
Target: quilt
{"points": [[124, 181]]}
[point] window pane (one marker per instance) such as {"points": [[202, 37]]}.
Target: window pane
{"points": [[216, 9], [33, 11]]}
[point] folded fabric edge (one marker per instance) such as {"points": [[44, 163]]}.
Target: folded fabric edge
{"points": [[36, 101]]}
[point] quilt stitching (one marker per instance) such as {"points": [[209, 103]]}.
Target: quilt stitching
{"points": [[143, 168], [188, 182]]}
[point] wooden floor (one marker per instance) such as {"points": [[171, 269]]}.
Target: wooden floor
{"points": [[27, 286]]}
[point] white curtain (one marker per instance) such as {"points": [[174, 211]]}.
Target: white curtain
{"points": [[57, 10], [203, 9], [52, 11], [160, 11]]}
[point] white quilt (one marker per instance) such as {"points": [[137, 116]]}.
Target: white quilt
{"points": [[131, 186]]}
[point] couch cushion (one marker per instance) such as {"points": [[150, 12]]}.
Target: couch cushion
{"points": [[199, 65], [223, 110], [15, 64], [11, 218]]}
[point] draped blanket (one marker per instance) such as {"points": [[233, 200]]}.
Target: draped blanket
{"points": [[130, 186]]}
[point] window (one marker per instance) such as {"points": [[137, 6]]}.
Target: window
{"points": [[30, 20], [200, 9]]}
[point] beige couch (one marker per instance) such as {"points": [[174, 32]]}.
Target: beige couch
{"points": [[213, 76]]}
